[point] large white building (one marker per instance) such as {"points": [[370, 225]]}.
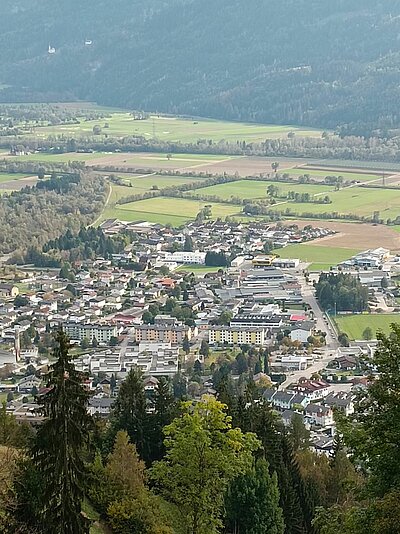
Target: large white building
{"points": [[100, 332], [198, 258]]}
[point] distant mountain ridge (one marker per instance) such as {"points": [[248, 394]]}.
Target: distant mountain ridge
{"points": [[316, 62]]}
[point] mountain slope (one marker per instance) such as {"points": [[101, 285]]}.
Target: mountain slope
{"points": [[316, 62]]}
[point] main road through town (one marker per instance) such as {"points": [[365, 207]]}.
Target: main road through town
{"points": [[329, 352]]}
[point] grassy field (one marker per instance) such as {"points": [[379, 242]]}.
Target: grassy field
{"points": [[357, 200], [255, 189], [175, 211], [321, 258], [121, 124], [146, 182], [354, 325], [198, 269]]}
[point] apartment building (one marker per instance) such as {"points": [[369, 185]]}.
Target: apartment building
{"points": [[237, 336], [100, 332]]}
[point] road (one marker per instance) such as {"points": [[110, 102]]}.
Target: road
{"points": [[329, 352], [105, 206]]}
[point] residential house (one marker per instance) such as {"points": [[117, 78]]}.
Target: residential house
{"points": [[319, 415]]}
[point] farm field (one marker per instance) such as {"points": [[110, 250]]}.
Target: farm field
{"points": [[146, 182], [9, 177], [365, 235], [146, 160], [256, 189], [354, 325], [165, 210], [357, 200], [321, 258], [165, 128], [377, 166]]}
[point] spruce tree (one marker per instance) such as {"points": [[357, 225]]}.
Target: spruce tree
{"points": [[129, 412], [60, 445], [165, 410], [252, 502]]}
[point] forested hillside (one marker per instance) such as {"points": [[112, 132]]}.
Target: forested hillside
{"points": [[315, 62]]}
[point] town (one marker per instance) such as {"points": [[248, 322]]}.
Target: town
{"points": [[210, 302]]}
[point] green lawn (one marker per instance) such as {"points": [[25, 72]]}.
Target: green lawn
{"points": [[176, 129], [354, 325], [255, 189], [321, 258], [357, 200]]}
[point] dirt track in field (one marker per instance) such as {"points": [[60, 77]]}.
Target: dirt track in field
{"points": [[356, 235]]}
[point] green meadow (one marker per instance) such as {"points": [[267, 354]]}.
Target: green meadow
{"points": [[258, 189], [166, 128], [357, 200], [354, 325], [175, 211]]}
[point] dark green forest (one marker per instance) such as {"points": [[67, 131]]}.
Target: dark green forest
{"points": [[316, 62]]}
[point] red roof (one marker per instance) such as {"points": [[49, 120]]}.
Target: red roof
{"points": [[298, 317]]}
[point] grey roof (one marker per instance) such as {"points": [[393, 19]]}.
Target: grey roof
{"points": [[283, 396], [324, 443], [298, 398], [105, 402], [269, 393]]}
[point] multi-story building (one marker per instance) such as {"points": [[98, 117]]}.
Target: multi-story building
{"points": [[164, 330], [100, 332], [237, 336], [187, 257]]}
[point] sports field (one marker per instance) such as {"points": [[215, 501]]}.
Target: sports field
{"points": [[354, 325], [198, 269], [321, 258], [255, 189], [122, 124]]}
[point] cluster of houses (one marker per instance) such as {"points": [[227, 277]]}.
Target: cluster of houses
{"points": [[115, 312]]}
